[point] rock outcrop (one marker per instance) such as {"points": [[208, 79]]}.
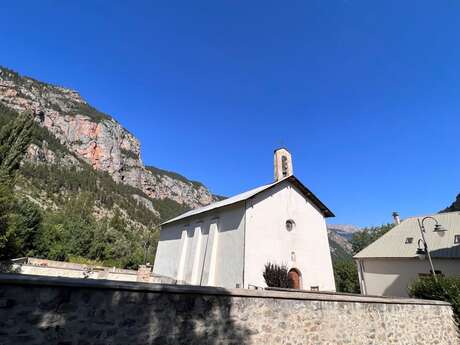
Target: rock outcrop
{"points": [[95, 138]]}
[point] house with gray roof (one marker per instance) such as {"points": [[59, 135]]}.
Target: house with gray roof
{"points": [[387, 266]]}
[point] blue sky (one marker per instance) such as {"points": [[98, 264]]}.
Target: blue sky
{"points": [[365, 94]]}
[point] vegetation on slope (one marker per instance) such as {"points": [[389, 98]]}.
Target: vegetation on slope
{"points": [[455, 206], [362, 239], [70, 212], [176, 176], [338, 252]]}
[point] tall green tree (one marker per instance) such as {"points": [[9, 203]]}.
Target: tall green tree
{"points": [[24, 223], [346, 276], [15, 136], [362, 239]]}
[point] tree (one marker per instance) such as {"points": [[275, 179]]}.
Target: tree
{"points": [[25, 222], [346, 276], [362, 239], [15, 137], [276, 275], [69, 232], [6, 205]]}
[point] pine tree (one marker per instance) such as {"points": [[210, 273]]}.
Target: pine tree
{"points": [[15, 137]]}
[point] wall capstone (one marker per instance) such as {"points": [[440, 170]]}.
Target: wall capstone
{"points": [[40, 310]]}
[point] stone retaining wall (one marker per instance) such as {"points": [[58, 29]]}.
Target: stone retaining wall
{"points": [[39, 310]]}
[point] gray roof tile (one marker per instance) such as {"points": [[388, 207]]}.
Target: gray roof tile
{"points": [[393, 243]]}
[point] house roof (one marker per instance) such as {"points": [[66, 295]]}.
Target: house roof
{"points": [[393, 243], [251, 193]]}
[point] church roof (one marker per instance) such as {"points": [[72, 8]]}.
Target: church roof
{"points": [[402, 240], [253, 192]]}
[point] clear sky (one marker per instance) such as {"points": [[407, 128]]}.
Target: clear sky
{"points": [[365, 94]]}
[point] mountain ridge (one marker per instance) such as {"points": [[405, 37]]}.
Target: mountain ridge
{"points": [[94, 137]]}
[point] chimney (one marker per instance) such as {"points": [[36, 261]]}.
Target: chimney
{"points": [[396, 219], [283, 164]]}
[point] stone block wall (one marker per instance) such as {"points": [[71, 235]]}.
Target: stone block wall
{"points": [[42, 310]]}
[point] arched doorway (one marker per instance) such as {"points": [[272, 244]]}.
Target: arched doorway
{"points": [[294, 278]]}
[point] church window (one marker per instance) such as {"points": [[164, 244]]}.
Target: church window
{"points": [[290, 225]]}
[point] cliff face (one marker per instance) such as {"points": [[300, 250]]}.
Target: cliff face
{"points": [[95, 138]]}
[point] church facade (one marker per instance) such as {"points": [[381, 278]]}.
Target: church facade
{"points": [[228, 243]]}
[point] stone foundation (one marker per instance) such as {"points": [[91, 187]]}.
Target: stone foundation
{"points": [[39, 310]]}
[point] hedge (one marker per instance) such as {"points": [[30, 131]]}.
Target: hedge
{"points": [[445, 289]]}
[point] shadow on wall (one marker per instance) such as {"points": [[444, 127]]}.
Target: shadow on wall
{"points": [[87, 316]]}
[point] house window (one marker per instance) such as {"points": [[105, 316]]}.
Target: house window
{"points": [[409, 240], [314, 288], [456, 239], [290, 225]]}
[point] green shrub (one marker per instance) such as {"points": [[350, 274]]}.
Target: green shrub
{"points": [[276, 275], [445, 289]]}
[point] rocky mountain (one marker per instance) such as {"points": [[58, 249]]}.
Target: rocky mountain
{"points": [[345, 231], [77, 135], [339, 237]]}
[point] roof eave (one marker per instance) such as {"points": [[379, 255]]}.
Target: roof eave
{"points": [[327, 213]]}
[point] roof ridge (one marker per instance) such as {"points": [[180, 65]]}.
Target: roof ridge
{"points": [[430, 215]]}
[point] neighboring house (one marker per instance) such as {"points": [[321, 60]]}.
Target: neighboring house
{"points": [[50, 268], [387, 266], [228, 243]]}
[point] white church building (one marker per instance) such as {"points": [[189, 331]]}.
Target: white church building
{"points": [[228, 243]]}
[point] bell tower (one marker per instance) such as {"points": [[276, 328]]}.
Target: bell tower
{"points": [[283, 164]]}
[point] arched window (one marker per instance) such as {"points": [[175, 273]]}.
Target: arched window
{"points": [[284, 166], [290, 225]]}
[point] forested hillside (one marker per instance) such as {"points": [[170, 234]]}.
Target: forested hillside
{"points": [[80, 190], [73, 212], [455, 206]]}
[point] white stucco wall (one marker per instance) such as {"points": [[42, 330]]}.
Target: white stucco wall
{"points": [[268, 240], [391, 277], [206, 249]]}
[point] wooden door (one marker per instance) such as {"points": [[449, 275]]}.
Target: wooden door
{"points": [[294, 279]]}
